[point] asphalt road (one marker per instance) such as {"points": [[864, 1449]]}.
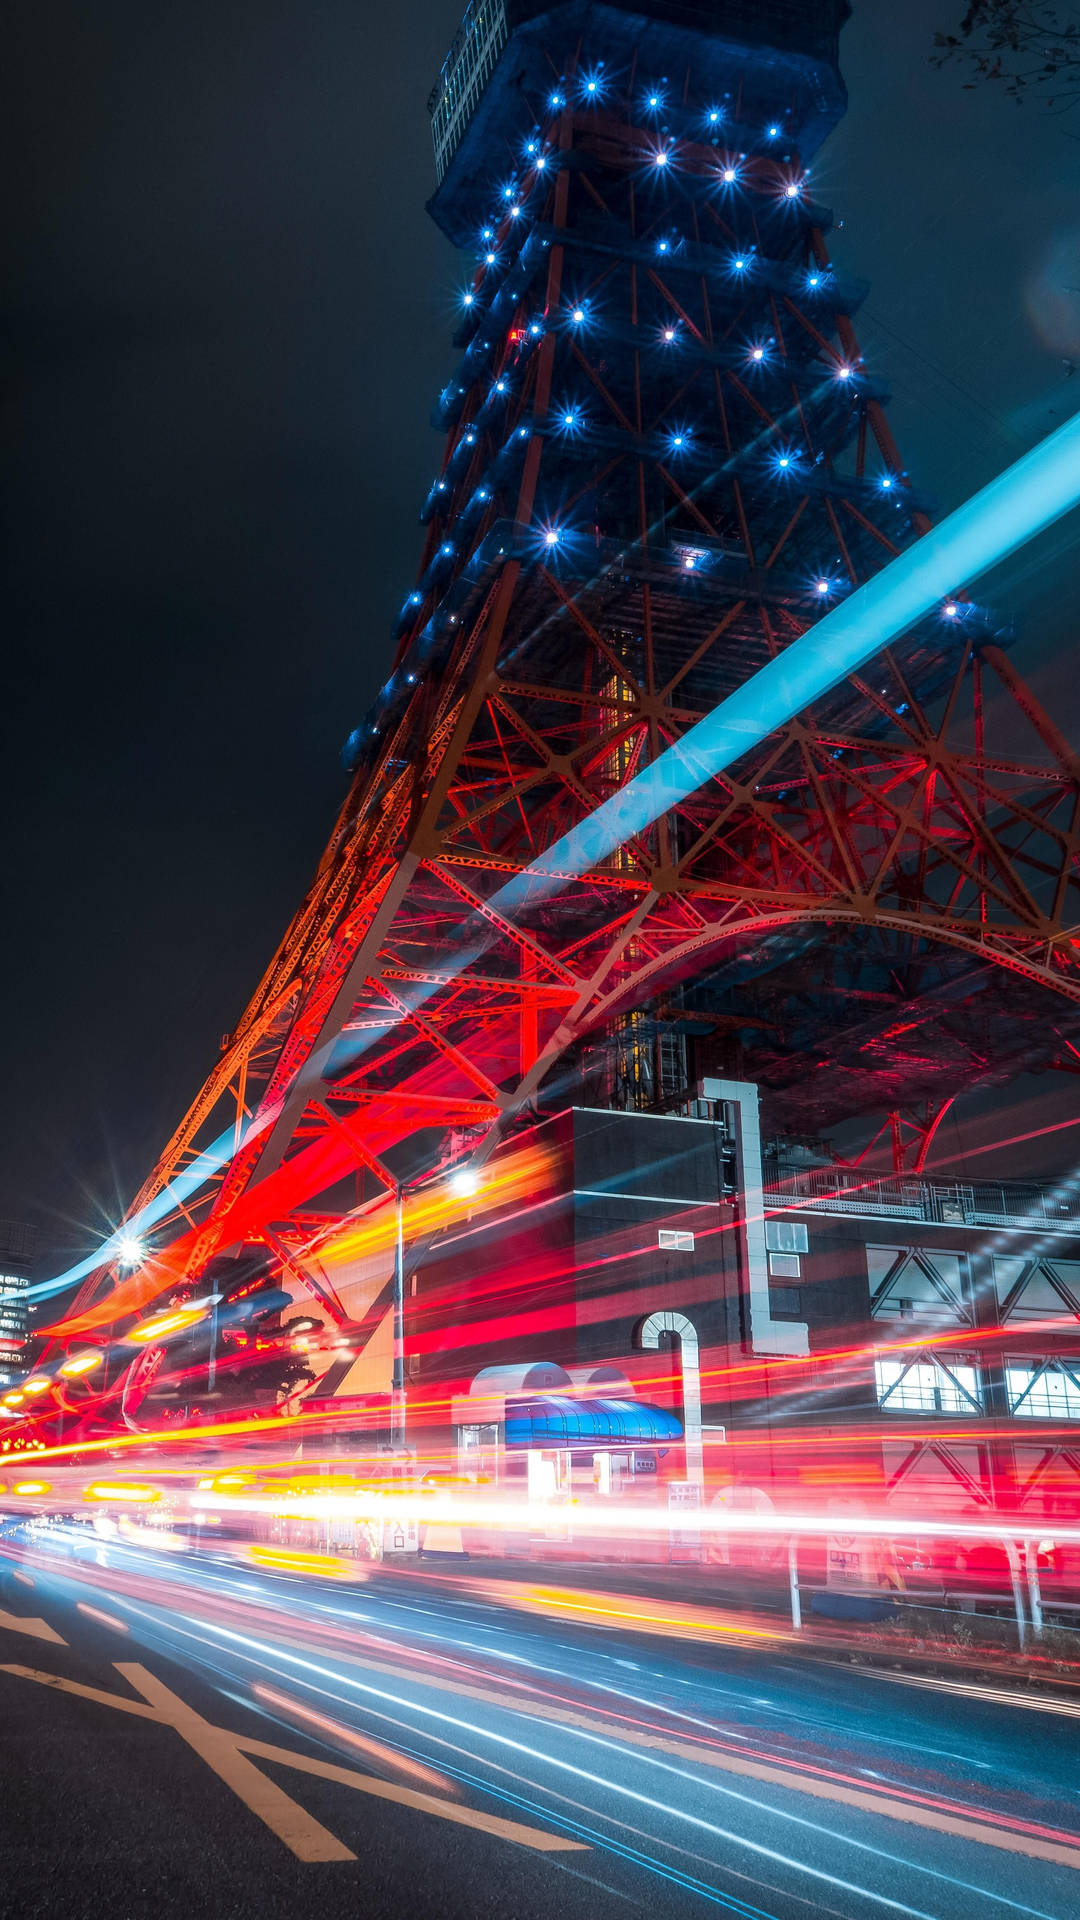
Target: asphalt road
{"points": [[189, 1735]]}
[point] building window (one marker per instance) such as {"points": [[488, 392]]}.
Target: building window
{"points": [[787, 1266], [917, 1283], [784, 1303], [674, 1242], [1037, 1289], [939, 1385], [1044, 1390], [786, 1236]]}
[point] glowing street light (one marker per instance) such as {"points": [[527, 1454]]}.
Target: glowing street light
{"points": [[161, 1325], [79, 1363], [129, 1251], [121, 1493], [306, 1323]]}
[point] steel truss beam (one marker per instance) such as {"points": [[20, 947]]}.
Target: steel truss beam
{"points": [[930, 802]]}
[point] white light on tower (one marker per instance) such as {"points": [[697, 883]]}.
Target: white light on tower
{"points": [[464, 1182], [129, 1251]]}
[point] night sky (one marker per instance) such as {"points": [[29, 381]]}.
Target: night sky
{"points": [[227, 315]]}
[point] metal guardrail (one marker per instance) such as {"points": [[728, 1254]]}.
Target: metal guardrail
{"points": [[1025, 1596], [463, 75], [951, 1203]]}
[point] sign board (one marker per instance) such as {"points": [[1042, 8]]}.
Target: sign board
{"points": [[848, 1561], [400, 1536], [857, 1561], [685, 1500]]}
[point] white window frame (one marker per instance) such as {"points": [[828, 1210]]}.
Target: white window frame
{"points": [[1028, 1403], [942, 1381], [785, 1266], [787, 1236], [673, 1240]]}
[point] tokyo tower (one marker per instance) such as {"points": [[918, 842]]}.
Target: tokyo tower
{"points": [[664, 459]]}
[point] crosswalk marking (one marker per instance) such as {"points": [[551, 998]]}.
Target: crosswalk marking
{"points": [[224, 1752], [304, 1836]]}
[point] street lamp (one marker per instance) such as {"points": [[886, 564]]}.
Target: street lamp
{"points": [[397, 1377], [80, 1363]]}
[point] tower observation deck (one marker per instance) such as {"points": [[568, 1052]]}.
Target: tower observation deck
{"points": [[664, 457], [754, 54]]}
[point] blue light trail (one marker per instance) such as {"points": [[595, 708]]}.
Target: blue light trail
{"points": [[1029, 496]]}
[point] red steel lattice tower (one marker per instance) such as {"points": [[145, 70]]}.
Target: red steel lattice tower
{"points": [[664, 458]]}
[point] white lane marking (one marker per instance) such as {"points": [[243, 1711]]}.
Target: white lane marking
{"points": [[999, 1696]]}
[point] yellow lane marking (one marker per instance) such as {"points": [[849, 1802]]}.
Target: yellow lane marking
{"points": [[962, 1827], [533, 1837], [674, 1622], [359, 1742], [83, 1693], [304, 1836], [37, 1629]]}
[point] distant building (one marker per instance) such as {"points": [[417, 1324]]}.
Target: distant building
{"points": [[17, 1247]]}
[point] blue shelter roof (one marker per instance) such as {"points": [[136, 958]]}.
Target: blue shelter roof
{"points": [[555, 1420]]}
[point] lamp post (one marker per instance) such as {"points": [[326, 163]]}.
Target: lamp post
{"points": [[397, 1383], [211, 1365]]}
